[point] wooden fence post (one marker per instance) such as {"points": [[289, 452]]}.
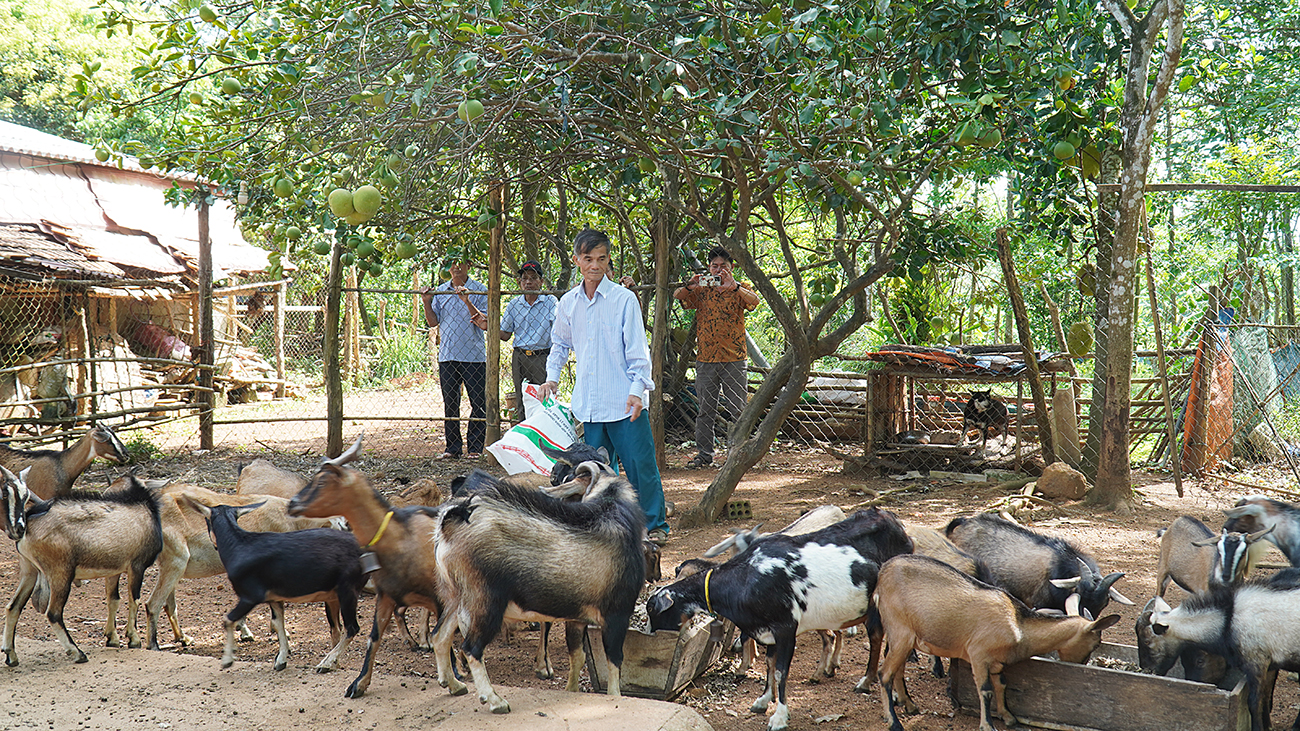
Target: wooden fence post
{"points": [[207, 343], [333, 378], [1027, 345]]}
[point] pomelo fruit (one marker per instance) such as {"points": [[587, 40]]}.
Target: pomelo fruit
{"points": [[340, 200]]}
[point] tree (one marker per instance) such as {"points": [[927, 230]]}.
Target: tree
{"points": [[1138, 120]]}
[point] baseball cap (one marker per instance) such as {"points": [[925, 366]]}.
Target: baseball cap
{"points": [[533, 265]]}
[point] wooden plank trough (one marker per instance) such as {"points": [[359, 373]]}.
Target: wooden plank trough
{"points": [[660, 665], [1057, 695]]}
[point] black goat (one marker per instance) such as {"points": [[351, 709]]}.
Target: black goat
{"points": [[314, 565], [1042, 571], [983, 412], [783, 586]]}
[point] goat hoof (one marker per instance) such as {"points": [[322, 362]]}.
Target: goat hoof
{"points": [[134, 644], [462, 690], [326, 668], [544, 674], [281, 665], [501, 708], [11, 660], [816, 679], [227, 663], [353, 692], [864, 685], [112, 642], [80, 658]]}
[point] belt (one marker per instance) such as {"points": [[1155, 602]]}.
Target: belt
{"points": [[544, 351]]}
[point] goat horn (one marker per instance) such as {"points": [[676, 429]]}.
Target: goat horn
{"points": [[1069, 583], [1114, 594], [350, 455], [1072, 604], [1252, 537], [1086, 574], [12, 477]]}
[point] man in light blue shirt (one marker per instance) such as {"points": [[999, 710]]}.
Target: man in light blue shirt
{"points": [[462, 355], [600, 323], [528, 318]]}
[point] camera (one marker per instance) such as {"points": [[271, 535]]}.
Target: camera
{"points": [[710, 280]]}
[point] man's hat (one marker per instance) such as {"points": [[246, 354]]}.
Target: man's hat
{"points": [[531, 265]]}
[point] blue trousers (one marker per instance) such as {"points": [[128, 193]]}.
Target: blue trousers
{"points": [[629, 442]]}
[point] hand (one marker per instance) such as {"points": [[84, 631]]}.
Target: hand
{"points": [[627, 281], [634, 407], [550, 388], [479, 320], [463, 293], [729, 283], [694, 282], [427, 295]]}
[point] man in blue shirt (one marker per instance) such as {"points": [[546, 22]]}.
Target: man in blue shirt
{"points": [[462, 356], [528, 318], [600, 323]]}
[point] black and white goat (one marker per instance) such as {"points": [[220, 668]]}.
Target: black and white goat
{"points": [[314, 565], [1041, 571], [507, 552], [1194, 558], [1255, 513], [783, 586], [1255, 625], [73, 537]]}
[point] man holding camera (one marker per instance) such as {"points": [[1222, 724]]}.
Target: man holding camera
{"points": [[720, 303]]}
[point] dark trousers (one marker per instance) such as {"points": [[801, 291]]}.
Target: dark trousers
{"points": [[524, 367], [452, 374], [628, 442]]}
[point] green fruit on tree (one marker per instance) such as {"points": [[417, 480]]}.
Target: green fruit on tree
{"points": [[1063, 150], [388, 180], [283, 188], [356, 218], [470, 110], [321, 247], [367, 199], [196, 98], [412, 150], [376, 269], [406, 250], [365, 249], [395, 162], [937, 324], [874, 36], [340, 200], [487, 221], [1079, 340], [207, 14], [966, 135], [101, 155], [444, 274], [646, 165], [231, 86], [1086, 279], [293, 233], [347, 259], [855, 177], [991, 137]]}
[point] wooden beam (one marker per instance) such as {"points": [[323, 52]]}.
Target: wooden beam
{"points": [[1041, 414], [493, 385], [333, 378], [1230, 187]]}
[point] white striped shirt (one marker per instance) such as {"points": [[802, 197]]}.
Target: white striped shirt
{"points": [[607, 338]]}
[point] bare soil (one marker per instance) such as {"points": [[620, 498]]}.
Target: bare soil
{"points": [[785, 484]]}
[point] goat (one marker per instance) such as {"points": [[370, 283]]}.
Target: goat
{"points": [[53, 472], [1254, 513], [740, 539], [78, 536], [1194, 557], [983, 412], [260, 477], [319, 564], [1158, 653], [188, 551], [511, 553], [782, 586], [927, 605], [399, 538], [567, 460], [1256, 626], [1041, 571]]}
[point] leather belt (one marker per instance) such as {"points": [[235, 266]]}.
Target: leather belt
{"points": [[533, 352]]}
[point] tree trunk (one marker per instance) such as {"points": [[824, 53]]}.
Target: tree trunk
{"points": [[1107, 204], [1141, 110], [1288, 273]]}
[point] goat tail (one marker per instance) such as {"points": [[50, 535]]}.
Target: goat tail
{"points": [[457, 513], [953, 525]]}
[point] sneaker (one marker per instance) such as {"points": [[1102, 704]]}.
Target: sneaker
{"points": [[447, 455], [699, 463], [658, 536]]}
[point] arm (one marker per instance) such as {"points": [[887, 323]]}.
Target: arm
{"points": [[747, 295], [637, 355], [430, 315], [685, 293], [476, 315]]}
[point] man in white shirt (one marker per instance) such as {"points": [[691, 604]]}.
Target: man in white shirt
{"points": [[600, 323]]}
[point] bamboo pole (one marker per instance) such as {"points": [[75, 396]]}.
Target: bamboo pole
{"points": [[1164, 373], [1041, 414], [281, 296]]}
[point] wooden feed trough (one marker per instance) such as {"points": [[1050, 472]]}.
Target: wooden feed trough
{"points": [[660, 665], [1058, 695]]}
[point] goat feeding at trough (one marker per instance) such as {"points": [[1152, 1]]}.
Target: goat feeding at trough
{"points": [[928, 605], [315, 565], [505, 552], [73, 537], [1041, 571], [782, 586]]}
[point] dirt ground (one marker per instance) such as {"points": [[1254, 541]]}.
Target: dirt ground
{"points": [[785, 484]]}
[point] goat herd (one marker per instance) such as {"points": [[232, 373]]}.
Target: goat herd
{"points": [[984, 590]]}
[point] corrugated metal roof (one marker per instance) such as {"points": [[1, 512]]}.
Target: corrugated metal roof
{"points": [[118, 215]]}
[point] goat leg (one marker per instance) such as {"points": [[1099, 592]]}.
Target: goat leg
{"points": [[241, 610], [113, 598], [277, 622], [60, 587], [442, 637], [542, 667], [135, 586], [573, 632], [1000, 693], [27, 575], [479, 631], [385, 612], [760, 705]]}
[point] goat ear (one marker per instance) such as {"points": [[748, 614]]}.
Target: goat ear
{"points": [[1107, 621], [659, 603], [1161, 605], [1240, 511], [195, 504], [1069, 583], [604, 454], [1204, 542], [721, 546]]}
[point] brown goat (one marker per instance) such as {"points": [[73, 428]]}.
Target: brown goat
{"points": [[53, 471], [400, 538], [927, 605], [260, 477]]}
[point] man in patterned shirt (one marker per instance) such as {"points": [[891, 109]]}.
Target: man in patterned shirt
{"points": [[720, 364], [462, 355], [600, 323], [528, 317]]}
